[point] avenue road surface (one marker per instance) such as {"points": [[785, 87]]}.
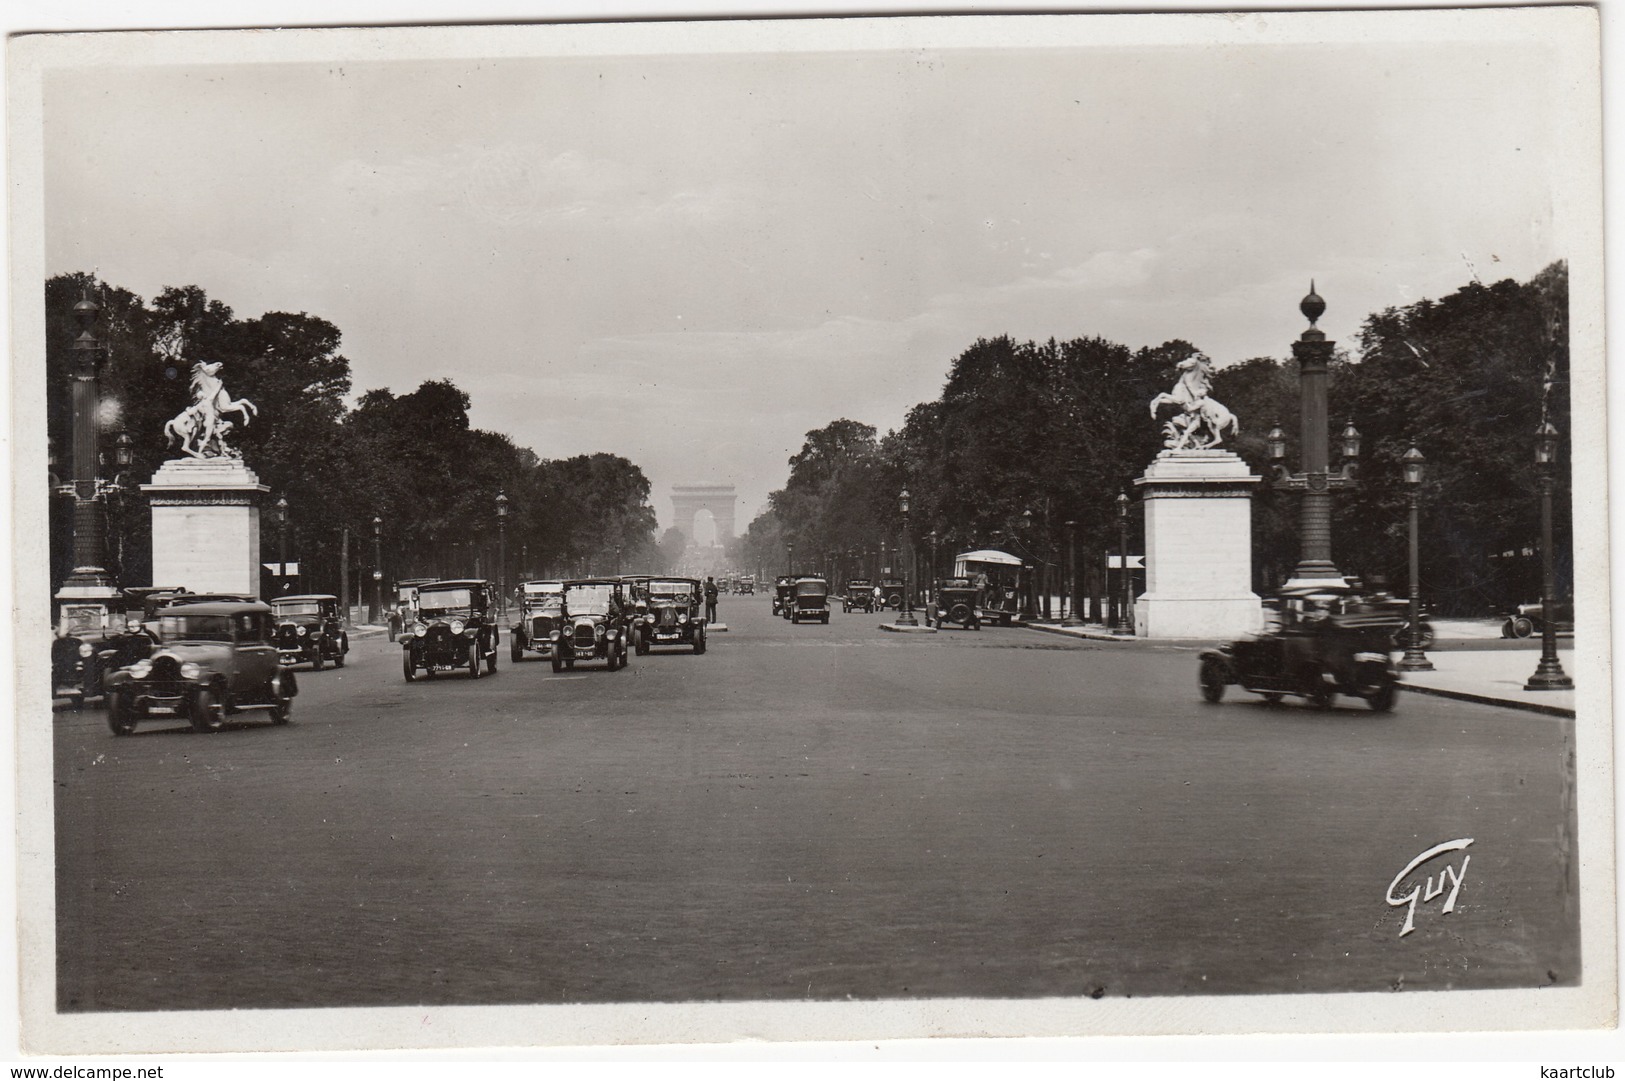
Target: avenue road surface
{"points": [[803, 812]]}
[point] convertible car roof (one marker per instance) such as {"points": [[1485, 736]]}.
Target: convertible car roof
{"points": [[307, 597], [216, 608], [453, 583], [989, 555]]}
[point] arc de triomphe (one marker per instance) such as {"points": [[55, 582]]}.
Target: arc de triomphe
{"points": [[687, 500]]}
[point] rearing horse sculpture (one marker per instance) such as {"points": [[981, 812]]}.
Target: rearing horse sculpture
{"points": [[1198, 413], [200, 427]]}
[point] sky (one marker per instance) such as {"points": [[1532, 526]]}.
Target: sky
{"points": [[693, 260]]}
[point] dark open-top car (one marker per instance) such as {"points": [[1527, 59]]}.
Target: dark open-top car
{"points": [[811, 600], [860, 593], [308, 628], [215, 660], [454, 628], [675, 615], [1326, 642], [891, 593], [541, 608], [783, 590], [1528, 619], [958, 601], [596, 624]]}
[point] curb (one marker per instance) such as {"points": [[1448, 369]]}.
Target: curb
{"points": [[1076, 632], [895, 629], [1489, 700]]}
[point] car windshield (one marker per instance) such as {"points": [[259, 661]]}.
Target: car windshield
{"points": [[588, 600], [670, 589], [543, 598], [297, 608], [444, 599], [195, 628], [811, 589]]}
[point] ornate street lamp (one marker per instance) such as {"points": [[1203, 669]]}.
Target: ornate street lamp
{"points": [[789, 559], [502, 549], [1125, 619], [1317, 481], [87, 594], [931, 576], [1029, 600], [1549, 674], [1414, 660], [906, 619], [282, 542], [377, 572]]}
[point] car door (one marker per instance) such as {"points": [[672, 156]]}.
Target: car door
{"points": [[256, 656]]}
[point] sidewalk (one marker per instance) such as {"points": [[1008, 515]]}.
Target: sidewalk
{"points": [[1489, 676]]}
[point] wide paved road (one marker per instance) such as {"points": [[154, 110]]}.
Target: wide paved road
{"points": [[803, 812]]}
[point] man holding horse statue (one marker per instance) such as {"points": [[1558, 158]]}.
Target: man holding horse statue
{"points": [[200, 428], [1201, 422]]}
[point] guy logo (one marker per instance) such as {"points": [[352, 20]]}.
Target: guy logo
{"points": [[1428, 891]]}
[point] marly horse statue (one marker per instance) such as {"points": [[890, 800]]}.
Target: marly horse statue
{"points": [[201, 427], [1197, 412]]}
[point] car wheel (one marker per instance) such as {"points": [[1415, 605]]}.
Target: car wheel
{"points": [[975, 624], [1212, 680], [119, 718], [699, 643], [208, 715], [570, 662], [282, 709], [1315, 689], [825, 620], [1272, 697], [473, 660], [1506, 629], [318, 662], [516, 652], [408, 669], [1523, 627], [491, 660], [558, 662], [643, 644], [1382, 699]]}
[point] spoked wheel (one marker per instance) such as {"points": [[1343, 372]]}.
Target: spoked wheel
{"points": [[208, 714], [473, 660], [1211, 678], [408, 669], [119, 718], [1523, 627]]}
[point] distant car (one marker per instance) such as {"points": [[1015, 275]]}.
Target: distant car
{"points": [[747, 584], [1528, 619], [453, 629], [811, 600], [891, 593], [675, 615], [957, 601], [596, 624], [782, 592], [541, 615], [216, 660], [860, 593], [309, 630]]}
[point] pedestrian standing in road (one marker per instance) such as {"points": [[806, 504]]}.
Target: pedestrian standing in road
{"points": [[710, 599]]}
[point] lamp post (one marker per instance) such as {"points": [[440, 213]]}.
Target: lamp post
{"points": [[789, 559], [1317, 480], [1549, 674], [906, 618], [87, 593], [502, 549], [377, 571], [1414, 660], [282, 542], [1125, 617], [932, 576], [1071, 577], [1029, 599]]}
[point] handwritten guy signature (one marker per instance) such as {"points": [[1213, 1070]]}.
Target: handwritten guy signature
{"points": [[1428, 891]]}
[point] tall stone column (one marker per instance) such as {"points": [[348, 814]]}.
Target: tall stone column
{"points": [[1313, 354]]}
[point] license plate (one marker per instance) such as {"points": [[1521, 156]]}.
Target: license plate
{"points": [[166, 711]]}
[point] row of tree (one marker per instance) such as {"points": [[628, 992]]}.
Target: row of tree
{"points": [[1030, 444], [412, 461]]}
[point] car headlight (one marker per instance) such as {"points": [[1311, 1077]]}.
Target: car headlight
{"points": [[613, 633], [420, 628], [682, 617], [300, 631], [553, 634], [456, 626], [85, 649], [190, 670], [140, 669], [599, 629], [133, 626], [649, 618]]}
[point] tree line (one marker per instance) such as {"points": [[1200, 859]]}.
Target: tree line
{"points": [[1030, 444], [414, 461]]}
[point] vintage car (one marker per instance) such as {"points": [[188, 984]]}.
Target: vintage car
{"points": [[404, 610], [1002, 578], [811, 600], [216, 660], [308, 629], [957, 600], [1528, 619], [635, 597], [891, 593], [747, 583], [860, 593], [595, 624], [782, 591], [92, 641], [1326, 642], [541, 606], [675, 615], [454, 628]]}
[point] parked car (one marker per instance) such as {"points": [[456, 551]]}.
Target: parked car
{"points": [[811, 600], [891, 593], [308, 629], [454, 628], [596, 624], [675, 616], [1528, 619], [782, 591], [1327, 642], [860, 593], [1002, 579], [958, 601], [217, 659], [541, 610]]}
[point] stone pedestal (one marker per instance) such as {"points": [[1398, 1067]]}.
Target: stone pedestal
{"points": [[1198, 547], [206, 525]]}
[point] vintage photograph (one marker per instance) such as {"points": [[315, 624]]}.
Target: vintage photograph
{"points": [[1035, 525]]}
